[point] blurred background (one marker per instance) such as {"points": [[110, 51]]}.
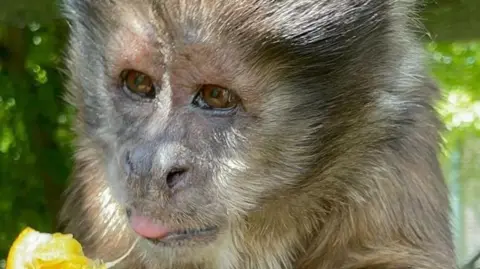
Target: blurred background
{"points": [[35, 134]]}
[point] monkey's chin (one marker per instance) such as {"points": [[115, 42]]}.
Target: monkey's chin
{"points": [[180, 250]]}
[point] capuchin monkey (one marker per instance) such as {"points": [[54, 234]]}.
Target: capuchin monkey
{"points": [[255, 134]]}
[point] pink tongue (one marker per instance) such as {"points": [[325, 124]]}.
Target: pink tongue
{"points": [[146, 228]]}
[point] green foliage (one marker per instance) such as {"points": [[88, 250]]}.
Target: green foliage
{"points": [[21, 12], [456, 66], [35, 158], [457, 69]]}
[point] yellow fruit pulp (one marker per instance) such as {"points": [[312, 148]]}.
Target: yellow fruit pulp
{"points": [[35, 250]]}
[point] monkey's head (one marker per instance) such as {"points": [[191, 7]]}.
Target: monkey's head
{"points": [[208, 114]]}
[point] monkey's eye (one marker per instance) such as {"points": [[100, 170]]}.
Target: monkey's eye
{"points": [[215, 97], [138, 83]]}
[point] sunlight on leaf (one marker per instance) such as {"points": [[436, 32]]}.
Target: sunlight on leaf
{"points": [[37, 40], [6, 139], [457, 70], [460, 110]]}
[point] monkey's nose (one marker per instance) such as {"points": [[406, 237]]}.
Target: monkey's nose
{"points": [[139, 161], [166, 164]]}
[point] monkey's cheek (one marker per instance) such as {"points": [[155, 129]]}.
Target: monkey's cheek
{"points": [[239, 194], [116, 183]]}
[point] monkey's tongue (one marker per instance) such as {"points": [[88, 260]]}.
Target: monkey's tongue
{"points": [[146, 228]]}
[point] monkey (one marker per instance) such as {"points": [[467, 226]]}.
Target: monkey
{"points": [[255, 134]]}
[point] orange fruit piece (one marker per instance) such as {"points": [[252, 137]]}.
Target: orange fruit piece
{"points": [[35, 250]]}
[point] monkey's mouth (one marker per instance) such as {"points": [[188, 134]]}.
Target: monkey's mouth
{"points": [[147, 228], [204, 234]]}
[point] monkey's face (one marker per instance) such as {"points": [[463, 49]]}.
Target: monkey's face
{"points": [[184, 153], [204, 113]]}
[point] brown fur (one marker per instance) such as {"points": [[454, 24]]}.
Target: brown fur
{"points": [[332, 163]]}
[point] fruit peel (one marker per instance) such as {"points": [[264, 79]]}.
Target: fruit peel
{"points": [[34, 250]]}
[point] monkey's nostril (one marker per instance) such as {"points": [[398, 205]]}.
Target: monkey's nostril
{"points": [[175, 176]]}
